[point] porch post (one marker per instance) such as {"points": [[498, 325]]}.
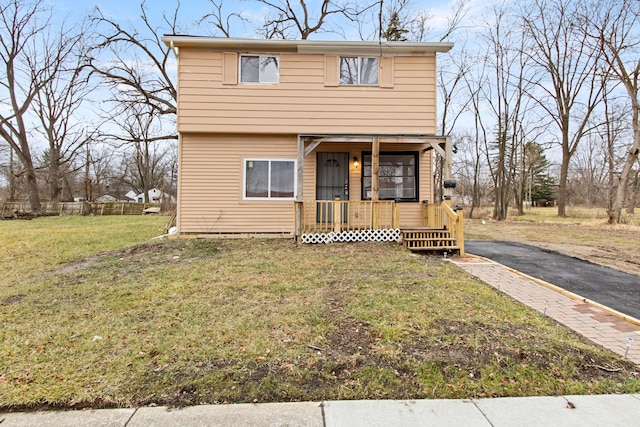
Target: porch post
{"points": [[375, 185], [375, 169], [448, 156]]}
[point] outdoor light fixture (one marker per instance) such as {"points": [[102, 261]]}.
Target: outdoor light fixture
{"points": [[356, 163]]}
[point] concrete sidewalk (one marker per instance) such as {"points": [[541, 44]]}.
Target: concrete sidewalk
{"points": [[598, 323], [609, 410]]}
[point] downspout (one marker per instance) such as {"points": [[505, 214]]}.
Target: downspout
{"points": [[179, 181], [298, 203], [173, 48]]}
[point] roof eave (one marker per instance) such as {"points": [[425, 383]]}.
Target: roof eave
{"points": [[337, 47]]}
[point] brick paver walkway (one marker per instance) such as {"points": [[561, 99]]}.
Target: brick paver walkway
{"points": [[597, 324]]}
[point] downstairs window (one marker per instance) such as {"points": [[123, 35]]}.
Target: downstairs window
{"points": [[267, 179]]}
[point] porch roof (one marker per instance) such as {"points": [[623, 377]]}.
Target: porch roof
{"points": [[383, 138], [437, 142]]}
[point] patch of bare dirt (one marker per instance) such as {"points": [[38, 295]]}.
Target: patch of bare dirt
{"points": [[13, 299], [146, 256]]}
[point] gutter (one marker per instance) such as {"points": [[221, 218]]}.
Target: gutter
{"points": [[309, 46]]}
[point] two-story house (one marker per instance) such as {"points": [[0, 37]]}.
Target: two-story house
{"points": [[321, 140]]}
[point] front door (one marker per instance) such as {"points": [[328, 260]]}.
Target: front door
{"points": [[332, 181]]}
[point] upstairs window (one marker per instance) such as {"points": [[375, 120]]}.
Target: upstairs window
{"points": [[259, 69], [358, 71]]}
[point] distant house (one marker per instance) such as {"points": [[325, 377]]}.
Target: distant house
{"points": [[131, 196], [303, 137], [106, 198], [154, 196]]}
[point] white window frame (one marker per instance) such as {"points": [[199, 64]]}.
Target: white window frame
{"points": [[359, 74], [259, 82], [270, 160]]}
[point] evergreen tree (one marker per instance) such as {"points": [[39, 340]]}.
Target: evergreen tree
{"points": [[541, 185], [543, 189], [395, 30]]}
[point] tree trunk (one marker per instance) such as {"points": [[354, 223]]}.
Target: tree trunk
{"points": [[54, 176], [475, 200], [32, 180], [87, 180], [32, 187], [633, 198], [615, 214], [12, 177], [562, 186]]}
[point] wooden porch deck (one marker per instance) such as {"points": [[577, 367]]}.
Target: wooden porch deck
{"points": [[336, 220]]}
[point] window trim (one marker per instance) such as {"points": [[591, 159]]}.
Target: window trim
{"points": [[416, 155], [246, 55], [359, 63], [261, 159]]}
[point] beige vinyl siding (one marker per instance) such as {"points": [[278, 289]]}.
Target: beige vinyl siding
{"points": [[302, 102], [211, 182]]}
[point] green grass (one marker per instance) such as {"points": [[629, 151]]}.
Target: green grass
{"points": [[575, 215], [32, 247], [182, 322]]}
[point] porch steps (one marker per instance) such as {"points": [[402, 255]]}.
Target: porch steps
{"points": [[429, 239]]}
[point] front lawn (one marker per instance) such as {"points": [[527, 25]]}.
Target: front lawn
{"points": [[95, 314]]}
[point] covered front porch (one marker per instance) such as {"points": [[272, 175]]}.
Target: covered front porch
{"points": [[375, 187], [326, 221]]}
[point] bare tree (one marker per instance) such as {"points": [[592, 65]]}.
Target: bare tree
{"points": [[384, 18], [59, 106], [139, 71], [569, 64], [288, 20], [505, 98], [616, 27], [32, 54], [635, 192], [597, 161], [141, 136], [478, 137], [455, 101], [455, 18], [11, 172], [219, 19]]}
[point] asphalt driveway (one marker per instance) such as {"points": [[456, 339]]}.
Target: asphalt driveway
{"points": [[617, 290]]}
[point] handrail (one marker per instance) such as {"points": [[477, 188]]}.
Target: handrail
{"points": [[442, 216]]}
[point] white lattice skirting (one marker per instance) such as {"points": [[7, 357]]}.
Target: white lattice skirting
{"points": [[384, 235]]}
